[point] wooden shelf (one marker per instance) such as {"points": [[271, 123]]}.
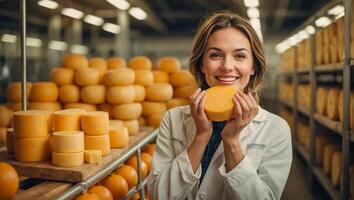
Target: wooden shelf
{"points": [[304, 111], [335, 126], [326, 183], [285, 102], [303, 70], [334, 67], [302, 151]]}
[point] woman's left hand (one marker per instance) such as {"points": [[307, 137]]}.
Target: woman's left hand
{"points": [[246, 108]]}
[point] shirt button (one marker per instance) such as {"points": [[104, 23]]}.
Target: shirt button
{"points": [[201, 195]]}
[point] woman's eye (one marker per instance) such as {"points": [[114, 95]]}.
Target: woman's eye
{"points": [[240, 56], [214, 55]]}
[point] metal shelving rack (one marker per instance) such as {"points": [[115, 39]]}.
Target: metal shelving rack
{"points": [[316, 120]]}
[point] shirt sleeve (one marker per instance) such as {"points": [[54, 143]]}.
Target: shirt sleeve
{"points": [[172, 176], [268, 181]]}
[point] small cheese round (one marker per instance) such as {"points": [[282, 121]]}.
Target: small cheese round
{"points": [[159, 92], [75, 62], [95, 123], [119, 137], [161, 76], [99, 64], [69, 93], [93, 94], [30, 124], [68, 141], [62, 76], [116, 62], [87, 76], [144, 77], [153, 108], [181, 78], [5, 116], [127, 111], [44, 92], [13, 92], [121, 94], [184, 91], [67, 159], [169, 64], [154, 120], [119, 77], [140, 62], [31, 149], [176, 102], [139, 93]]}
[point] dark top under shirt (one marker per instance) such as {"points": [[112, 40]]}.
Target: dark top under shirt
{"points": [[211, 147]]}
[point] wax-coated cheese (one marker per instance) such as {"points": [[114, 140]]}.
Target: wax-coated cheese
{"points": [[5, 116], [161, 76], [30, 124], [127, 111], [75, 61], [159, 92], [216, 108], [87, 76], [153, 108], [50, 106], [181, 78], [85, 106], [99, 64], [116, 62], [93, 94], [62, 76], [98, 142], [68, 141], [169, 64], [121, 94], [143, 77], [119, 77], [95, 123], [119, 137], [154, 120], [139, 93], [67, 159], [13, 92], [44, 92], [92, 156], [140, 62], [184, 91], [69, 93], [31, 149], [132, 126]]}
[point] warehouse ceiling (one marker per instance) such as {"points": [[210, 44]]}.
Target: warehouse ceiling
{"points": [[166, 17]]}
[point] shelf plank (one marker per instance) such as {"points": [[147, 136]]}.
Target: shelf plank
{"points": [[335, 126], [326, 183], [285, 102], [45, 190], [304, 111], [334, 67], [44, 170], [302, 151]]}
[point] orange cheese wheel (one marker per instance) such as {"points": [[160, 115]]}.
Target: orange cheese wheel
{"points": [[119, 77], [176, 102], [139, 93], [14, 93], [99, 64], [321, 98], [143, 77], [87, 76], [69, 93], [114, 123], [132, 126], [159, 92], [216, 108], [67, 159], [117, 185], [88, 196], [161, 76], [119, 137], [68, 141], [95, 123], [121, 94], [67, 120], [30, 124], [140, 62], [93, 94], [320, 143], [336, 168], [127, 111], [15, 106], [31, 149], [328, 152], [153, 108], [75, 62], [106, 107], [169, 64], [154, 120], [98, 142], [85, 106], [62, 76], [10, 140], [184, 91], [116, 62], [129, 174], [50, 106], [332, 103], [181, 78], [5, 116], [44, 92]]}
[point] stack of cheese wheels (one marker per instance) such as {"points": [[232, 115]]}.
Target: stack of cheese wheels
{"points": [[332, 103], [286, 91], [340, 51], [288, 60], [31, 135], [5, 117], [43, 96], [304, 54], [336, 168], [118, 134], [340, 108], [96, 128], [320, 142], [116, 62], [304, 95], [14, 95], [333, 42], [303, 134], [321, 100], [325, 47], [319, 47], [328, 152]]}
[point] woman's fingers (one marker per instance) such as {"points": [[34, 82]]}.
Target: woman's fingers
{"points": [[238, 109], [253, 100], [244, 105], [201, 106], [194, 94]]}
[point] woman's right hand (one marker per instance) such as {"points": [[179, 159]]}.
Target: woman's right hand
{"points": [[203, 124]]}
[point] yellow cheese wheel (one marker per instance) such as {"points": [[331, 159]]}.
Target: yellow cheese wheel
{"points": [[321, 98], [181, 78], [119, 137], [67, 120], [132, 126], [68, 141], [30, 124], [154, 120], [336, 168], [85, 106], [50, 106], [14, 93], [93, 94], [216, 108], [114, 123], [119, 77], [62, 76], [139, 93], [95, 123], [5, 116], [106, 107], [144, 77], [116, 62], [121, 94], [31, 149], [69, 93], [10, 140], [140, 62], [75, 62], [99, 64], [320, 143], [332, 103], [176, 102], [142, 121], [87, 76], [49, 116], [169, 64], [328, 152], [44, 92], [184, 91], [153, 108], [2, 136], [15, 106], [127, 111], [159, 92], [161, 76], [92, 156], [67, 159], [98, 142]]}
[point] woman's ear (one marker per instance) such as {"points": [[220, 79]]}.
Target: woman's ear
{"points": [[252, 71]]}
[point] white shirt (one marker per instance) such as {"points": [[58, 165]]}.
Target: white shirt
{"points": [[261, 174]]}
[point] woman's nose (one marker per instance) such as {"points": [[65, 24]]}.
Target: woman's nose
{"points": [[227, 64]]}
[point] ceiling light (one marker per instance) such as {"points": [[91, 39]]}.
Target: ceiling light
{"points": [[79, 49], [256, 24], [120, 4], [303, 34], [57, 45], [8, 38], [113, 28], [310, 30], [294, 40], [322, 21], [33, 42], [71, 12], [281, 47], [339, 15], [91, 19], [138, 13], [253, 12], [336, 10], [251, 3], [48, 4]]}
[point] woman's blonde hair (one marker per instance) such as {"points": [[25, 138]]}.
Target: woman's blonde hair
{"points": [[221, 20]]}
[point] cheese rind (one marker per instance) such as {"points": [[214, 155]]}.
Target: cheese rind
{"points": [[69, 93], [31, 149], [67, 159], [119, 77], [67, 120], [116, 62], [121, 94], [44, 92], [140, 63], [139, 93], [98, 142], [119, 137], [93, 94], [62, 76], [92, 156], [87, 76], [153, 108], [30, 124], [143, 77], [68, 141], [169, 64], [95, 123], [159, 92], [181, 78], [127, 111]]}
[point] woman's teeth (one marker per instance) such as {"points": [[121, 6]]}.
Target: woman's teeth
{"points": [[226, 79]]}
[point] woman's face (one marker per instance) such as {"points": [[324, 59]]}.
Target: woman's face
{"points": [[228, 59]]}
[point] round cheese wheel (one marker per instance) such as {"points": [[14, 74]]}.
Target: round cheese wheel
{"points": [[62, 76], [176, 102], [320, 143], [132, 126], [114, 123], [169, 64], [216, 108], [48, 114], [85, 106], [75, 62], [44, 92], [140, 62], [67, 159], [127, 111], [139, 93], [99, 64], [159, 92], [119, 137], [106, 107], [161, 76], [98, 142], [184, 91], [31, 149], [30, 124], [93, 94], [69, 93], [121, 94], [332, 103], [68, 141], [153, 108], [116, 62], [328, 152], [87, 76], [50, 106], [5, 116], [67, 120], [181, 78], [14, 91], [15, 106], [144, 77], [321, 98], [154, 120], [336, 168], [95, 123], [119, 77]]}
